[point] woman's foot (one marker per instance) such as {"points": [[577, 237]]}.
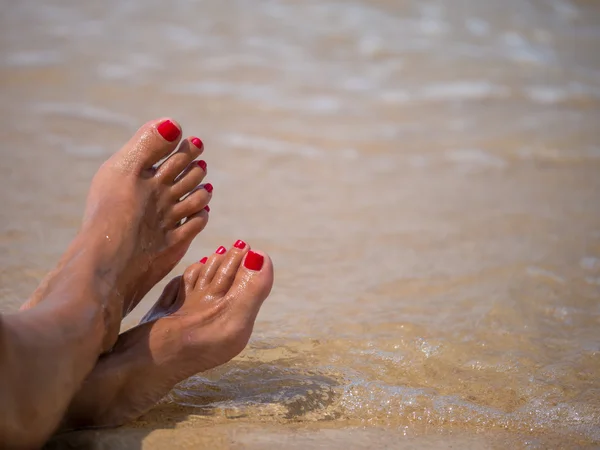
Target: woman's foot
{"points": [[135, 227], [201, 320]]}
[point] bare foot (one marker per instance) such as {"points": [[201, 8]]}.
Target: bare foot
{"points": [[135, 227], [201, 320]]}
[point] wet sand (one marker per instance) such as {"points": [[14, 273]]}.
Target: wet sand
{"points": [[425, 178]]}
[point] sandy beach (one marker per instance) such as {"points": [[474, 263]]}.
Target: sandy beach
{"points": [[425, 176]]}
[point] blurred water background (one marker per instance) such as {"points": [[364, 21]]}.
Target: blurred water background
{"points": [[425, 175]]}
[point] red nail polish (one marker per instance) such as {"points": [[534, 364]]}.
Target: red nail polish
{"points": [[254, 261], [168, 130], [203, 260], [197, 142], [207, 208], [239, 244], [208, 187], [221, 250], [202, 164]]}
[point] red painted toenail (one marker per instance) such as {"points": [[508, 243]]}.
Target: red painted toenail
{"points": [[208, 187], [203, 260], [221, 250], [202, 164], [254, 261], [197, 142], [239, 244], [207, 208], [168, 130]]}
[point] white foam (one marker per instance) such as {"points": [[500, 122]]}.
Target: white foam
{"points": [[477, 27], [566, 10], [135, 67], [266, 95], [474, 157], [115, 71], [590, 263], [265, 144], [371, 45], [463, 90], [33, 58], [520, 49], [595, 281], [426, 348], [433, 27], [232, 61], [546, 94], [551, 94], [539, 272], [84, 111], [321, 104], [248, 91], [513, 39]]}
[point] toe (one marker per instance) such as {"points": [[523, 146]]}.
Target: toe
{"points": [[191, 275], [189, 149], [251, 286], [165, 302], [151, 143], [193, 225], [193, 203], [191, 177], [211, 266], [225, 274]]}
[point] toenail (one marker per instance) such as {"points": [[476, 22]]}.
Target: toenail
{"points": [[197, 142], [207, 208], [168, 130], [202, 164], [203, 260], [208, 187], [254, 261], [220, 250], [239, 244]]}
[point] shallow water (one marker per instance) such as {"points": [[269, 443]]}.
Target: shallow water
{"points": [[425, 175]]}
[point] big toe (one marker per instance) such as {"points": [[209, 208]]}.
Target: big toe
{"points": [[152, 142], [251, 286]]}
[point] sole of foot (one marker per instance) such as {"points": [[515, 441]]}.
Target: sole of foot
{"points": [[202, 320], [141, 215]]}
